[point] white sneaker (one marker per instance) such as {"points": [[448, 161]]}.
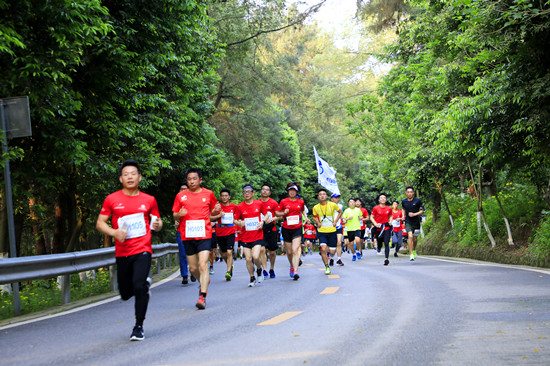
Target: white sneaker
{"points": [[252, 282]]}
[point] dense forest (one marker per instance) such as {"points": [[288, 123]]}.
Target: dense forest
{"points": [[451, 97]]}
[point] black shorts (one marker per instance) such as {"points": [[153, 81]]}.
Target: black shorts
{"points": [[353, 234], [214, 241], [289, 234], [329, 239], [194, 246], [226, 242], [252, 244], [340, 231], [270, 239], [362, 233]]}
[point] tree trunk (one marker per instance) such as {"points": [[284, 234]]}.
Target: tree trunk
{"points": [[39, 242], [502, 212], [442, 194], [58, 245], [4, 239], [480, 213], [437, 208]]}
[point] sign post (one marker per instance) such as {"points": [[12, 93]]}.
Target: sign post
{"points": [[16, 122]]}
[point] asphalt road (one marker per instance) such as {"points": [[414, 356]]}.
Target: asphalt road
{"points": [[428, 312]]}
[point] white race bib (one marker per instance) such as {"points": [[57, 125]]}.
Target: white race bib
{"points": [[251, 223], [227, 218], [293, 220], [133, 224], [395, 223], [195, 229], [326, 222]]}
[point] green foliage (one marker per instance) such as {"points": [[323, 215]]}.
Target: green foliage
{"points": [[540, 247]]}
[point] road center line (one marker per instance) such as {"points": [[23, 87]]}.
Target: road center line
{"points": [[281, 318], [329, 290], [333, 276]]}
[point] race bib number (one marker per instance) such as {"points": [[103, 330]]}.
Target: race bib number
{"points": [[133, 224], [309, 232], [395, 223], [293, 220], [251, 223], [326, 222], [227, 218], [195, 229]]}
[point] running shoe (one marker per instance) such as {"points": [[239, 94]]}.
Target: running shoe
{"points": [[228, 276], [358, 255], [395, 254], [211, 270], [271, 273], [137, 334], [300, 263], [411, 257], [193, 279], [232, 268], [291, 272], [260, 276], [327, 270], [386, 261], [296, 276], [252, 282], [184, 280], [266, 275], [354, 258], [414, 253], [201, 303], [331, 262], [339, 262]]}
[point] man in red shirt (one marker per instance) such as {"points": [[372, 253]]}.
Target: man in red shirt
{"points": [[225, 232], [381, 216], [250, 216], [365, 215], [194, 208], [134, 214], [270, 231]]}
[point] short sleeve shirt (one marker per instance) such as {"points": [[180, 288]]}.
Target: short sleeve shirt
{"points": [[136, 211], [326, 215], [352, 214], [224, 226], [412, 206], [271, 206], [199, 205], [251, 214], [292, 220], [365, 214]]}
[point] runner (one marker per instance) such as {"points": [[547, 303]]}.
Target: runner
{"points": [[270, 232], [213, 248], [291, 209], [339, 229], [184, 271], [310, 234], [381, 215], [194, 208], [323, 214], [351, 218], [364, 216], [397, 222], [412, 208], [249, 217], [134, 214], [226, 231]]}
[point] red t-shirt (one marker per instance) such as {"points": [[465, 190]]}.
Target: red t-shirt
{"points": [[365, 214], [382, 215], [140, 208], [227, 228], [271, 206], [309, 231], [199, 205], [292, 220], [252, 215], [395, 216]]}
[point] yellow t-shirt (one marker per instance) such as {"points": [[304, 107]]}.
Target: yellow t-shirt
{"points": [[326, 216]]}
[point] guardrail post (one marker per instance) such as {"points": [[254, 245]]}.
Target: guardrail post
{"points": [[158, 265], [163, 262], [112, 277], [66, 289]]}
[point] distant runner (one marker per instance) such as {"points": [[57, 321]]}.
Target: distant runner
{"points": [[323, 214], [381, 216], [412, 208]]}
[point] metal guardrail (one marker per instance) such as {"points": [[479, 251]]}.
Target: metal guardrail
{"points": [[53, 265], [15, 270]]}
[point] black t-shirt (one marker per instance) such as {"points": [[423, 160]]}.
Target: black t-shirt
{"points": [[412, 206]]}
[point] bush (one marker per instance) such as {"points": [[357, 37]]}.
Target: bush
{"points": [[539, 248]]}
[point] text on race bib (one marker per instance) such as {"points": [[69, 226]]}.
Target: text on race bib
{"points": [[227, 218], [133, 224], [395, 223], [195, 229], [251, 223], [293, 220]]}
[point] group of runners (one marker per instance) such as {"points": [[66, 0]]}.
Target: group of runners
{"points": [[204, 224]]}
